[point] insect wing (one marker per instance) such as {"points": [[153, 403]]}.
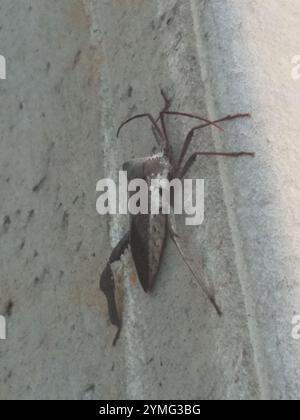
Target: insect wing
{"points": [[147, 240]]}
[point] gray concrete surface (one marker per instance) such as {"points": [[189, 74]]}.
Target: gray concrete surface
{"points": [[75, 70]]}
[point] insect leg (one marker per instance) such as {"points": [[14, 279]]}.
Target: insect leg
{"points": [[190, 135], [162, 120], [157, 137], [154, 130], [189, 163], [174, 237], [161, 117], [108, 287]]}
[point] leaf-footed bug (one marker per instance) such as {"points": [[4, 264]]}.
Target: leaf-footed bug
{"points": [[148, 233]]}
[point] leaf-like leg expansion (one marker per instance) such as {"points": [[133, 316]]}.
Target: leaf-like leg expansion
{"points": [[108, 287], [174, 237]]}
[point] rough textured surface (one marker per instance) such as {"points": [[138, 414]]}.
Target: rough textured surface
{"points": [[75, 71]]}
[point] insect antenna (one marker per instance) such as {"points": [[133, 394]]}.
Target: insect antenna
{"points": [[168, 102], [185, 114], [149, 116]]}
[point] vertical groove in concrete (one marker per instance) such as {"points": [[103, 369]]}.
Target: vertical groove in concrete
{"points": [[133, 346], [248, 64]]}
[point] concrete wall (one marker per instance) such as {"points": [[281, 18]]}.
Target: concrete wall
{"points": [[75, 70]]}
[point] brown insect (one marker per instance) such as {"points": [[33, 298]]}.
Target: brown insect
{"points": [[148, 232]]}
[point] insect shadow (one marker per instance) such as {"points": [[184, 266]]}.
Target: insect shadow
{"points": [[148, 232]]}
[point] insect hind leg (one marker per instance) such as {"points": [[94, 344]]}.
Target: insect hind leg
{"points": [[174, 236], [108, 286]]}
